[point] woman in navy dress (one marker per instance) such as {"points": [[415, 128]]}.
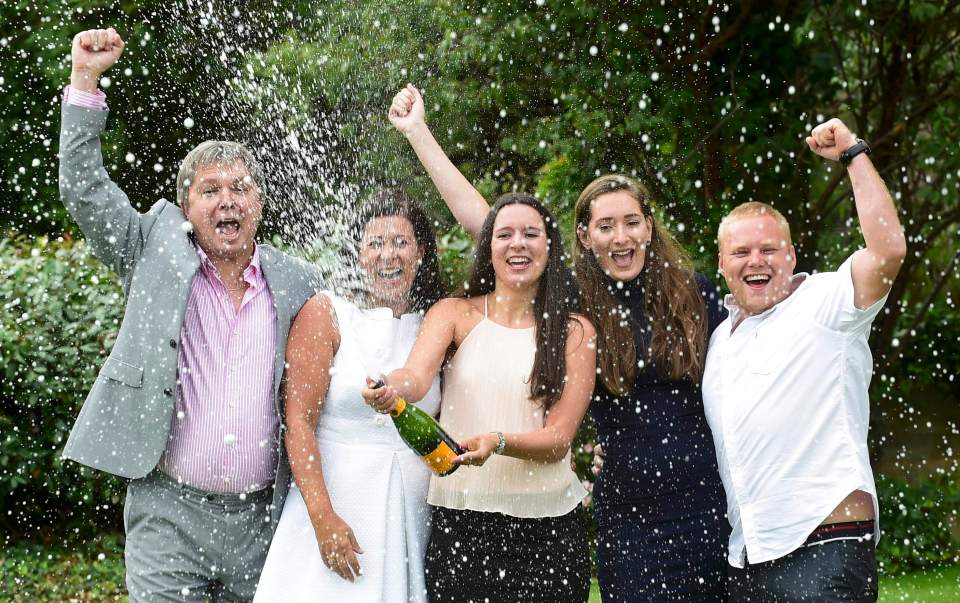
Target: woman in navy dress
{"points": [[658, 502]]}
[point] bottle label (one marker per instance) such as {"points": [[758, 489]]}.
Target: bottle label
{"points": [[440, 460]]}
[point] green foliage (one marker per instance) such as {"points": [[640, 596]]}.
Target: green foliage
{"points": [[916, 523], [58, 321], [90, 571]]}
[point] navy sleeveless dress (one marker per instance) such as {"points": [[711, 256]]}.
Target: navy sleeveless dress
{"points": [[659, 503]]}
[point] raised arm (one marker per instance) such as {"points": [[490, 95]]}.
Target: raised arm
{"points": [[413, 381], [551, 443], [112, 227], [311, 346], [874, 267], [468, 206]]}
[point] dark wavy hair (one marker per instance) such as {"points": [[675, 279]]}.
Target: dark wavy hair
{"points": [[552, 304], [427, 287]]}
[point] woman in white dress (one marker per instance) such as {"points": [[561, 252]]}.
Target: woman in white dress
{"points": [[356, 523]]}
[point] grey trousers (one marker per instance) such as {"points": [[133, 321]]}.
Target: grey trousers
{"points": [[187, 545]]}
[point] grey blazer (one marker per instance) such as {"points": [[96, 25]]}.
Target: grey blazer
{"points": [[125, 420]]}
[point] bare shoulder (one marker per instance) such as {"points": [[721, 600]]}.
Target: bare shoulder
{"points": [[449, 308], [318, 314], [579, 330]]}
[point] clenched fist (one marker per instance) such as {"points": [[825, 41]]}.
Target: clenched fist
{"points": [[831, 138], [94, 51]]}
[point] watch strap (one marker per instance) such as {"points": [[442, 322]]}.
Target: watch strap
{"points": [[860, 146]]}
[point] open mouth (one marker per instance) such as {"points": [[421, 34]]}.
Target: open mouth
{"points": [[519, 263], [390, 274], [229, 228], [757, 281], [622, 258]]}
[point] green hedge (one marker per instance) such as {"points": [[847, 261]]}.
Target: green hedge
{"points": [[918, 523], [60, 313]]}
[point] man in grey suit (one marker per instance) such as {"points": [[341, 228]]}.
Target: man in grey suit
{"points": [[187, 404]]}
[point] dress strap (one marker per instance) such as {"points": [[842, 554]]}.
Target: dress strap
{"points": [[485, 304]]}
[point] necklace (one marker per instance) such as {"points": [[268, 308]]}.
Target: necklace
{"points": [[243, 285]]}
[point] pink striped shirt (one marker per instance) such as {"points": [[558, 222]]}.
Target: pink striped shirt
{"points": [[90, 100], [223, 436]]}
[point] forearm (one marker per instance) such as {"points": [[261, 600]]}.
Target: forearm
{"points": [[408, 384], [546, 445], [465, 202], [882, 232], [307, 469]]}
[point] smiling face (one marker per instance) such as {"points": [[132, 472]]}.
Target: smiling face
{"points": [[618, 234], [757, 261], [390, 258], [223, 206], [519, 247]]}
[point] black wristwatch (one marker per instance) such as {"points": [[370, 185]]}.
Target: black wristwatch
{"points": [[860, 146]]}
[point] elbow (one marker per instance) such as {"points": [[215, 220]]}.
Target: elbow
{"points": [[895, 253], [898, 251]]}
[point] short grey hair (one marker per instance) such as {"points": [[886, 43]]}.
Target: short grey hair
{"points": [[213, 152]]}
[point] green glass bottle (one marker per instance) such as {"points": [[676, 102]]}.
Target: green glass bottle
{"points": [[423, 435]]}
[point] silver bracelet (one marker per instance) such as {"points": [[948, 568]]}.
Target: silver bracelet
{"points": [[502, 444]]}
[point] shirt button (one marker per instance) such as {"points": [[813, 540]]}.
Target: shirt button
{"points": [[167, 392], [380, 420], [173, 343], [229, 439]]}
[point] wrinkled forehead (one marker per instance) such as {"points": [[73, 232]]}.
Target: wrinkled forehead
{"points": [[223, 171], [750, 231]]}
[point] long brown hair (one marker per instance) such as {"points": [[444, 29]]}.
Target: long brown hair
{"points": [[551, 305], [675, 309]]}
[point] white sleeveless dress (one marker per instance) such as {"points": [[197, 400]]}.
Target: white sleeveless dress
{"points": [[376, 484]]}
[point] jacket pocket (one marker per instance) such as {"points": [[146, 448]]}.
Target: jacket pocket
{"points": [[123, 372]]}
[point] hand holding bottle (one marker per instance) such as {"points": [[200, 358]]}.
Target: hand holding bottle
{"points": [[338, 545], [479, 448], [380, 396]]}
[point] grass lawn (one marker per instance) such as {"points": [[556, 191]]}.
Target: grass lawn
{"points": [[939, 585], [94, 572]]}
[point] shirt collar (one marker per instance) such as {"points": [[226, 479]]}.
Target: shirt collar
{"points": [[250, 273]]}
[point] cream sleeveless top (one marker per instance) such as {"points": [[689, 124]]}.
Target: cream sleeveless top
{"points": [[486, 388]]}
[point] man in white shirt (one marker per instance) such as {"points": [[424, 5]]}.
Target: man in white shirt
{"points": [[785, 393]]}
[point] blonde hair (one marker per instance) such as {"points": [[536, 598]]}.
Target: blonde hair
{"points": [[750, 209], [672, 301]]}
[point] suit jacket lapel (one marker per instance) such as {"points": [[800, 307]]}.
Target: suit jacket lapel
{"points": [[273, 273]]}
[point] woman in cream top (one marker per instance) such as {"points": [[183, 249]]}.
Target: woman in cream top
{"points": [[507, 525]]}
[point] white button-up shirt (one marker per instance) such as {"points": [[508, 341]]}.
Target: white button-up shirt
{"points": [[785, 394]]}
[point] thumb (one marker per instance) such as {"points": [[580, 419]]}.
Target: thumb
{"points": [[416, 93], [812, 143]]}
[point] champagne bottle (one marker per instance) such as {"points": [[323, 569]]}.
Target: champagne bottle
{"points": [[423, 435]]}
